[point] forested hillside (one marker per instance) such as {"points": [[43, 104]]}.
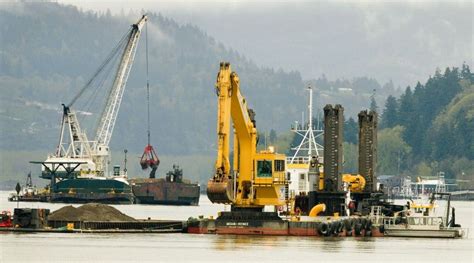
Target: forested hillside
{"points": [[430, 128]]}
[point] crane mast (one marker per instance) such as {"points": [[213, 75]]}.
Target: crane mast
{"points": [[79, 146], [257, 179], [97, 151]]}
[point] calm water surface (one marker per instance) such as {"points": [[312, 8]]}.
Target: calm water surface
{"points": [[48, 247]]}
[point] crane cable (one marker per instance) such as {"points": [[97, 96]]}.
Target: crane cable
{"points": [[149, 158], [147, 84], [110, 56]]}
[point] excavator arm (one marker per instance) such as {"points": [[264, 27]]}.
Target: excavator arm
{"points": [[253, 174], [219, 187]]}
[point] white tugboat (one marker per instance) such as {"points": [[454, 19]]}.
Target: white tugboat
{"points": [[434, 219]]}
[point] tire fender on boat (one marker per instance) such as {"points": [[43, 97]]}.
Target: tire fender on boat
{"points": [[333, 227], [357, 229], [363, 223], [323, 229], [348, 225], [368, 226], [340, 226]]}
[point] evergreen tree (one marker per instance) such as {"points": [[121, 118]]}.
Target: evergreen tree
{"points": [[389, 116], [466, 73], [351, 131], [406, 109], [373, 104]]}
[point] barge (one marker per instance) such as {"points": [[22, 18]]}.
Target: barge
{"points": [[269, 223], [90, 218], [171, 190], [431, 220]]}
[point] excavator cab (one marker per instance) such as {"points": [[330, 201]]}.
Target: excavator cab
{"points": [[269, 178], [270, 168]]}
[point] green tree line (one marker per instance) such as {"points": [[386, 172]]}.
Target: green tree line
{"points": [[430, 128]]}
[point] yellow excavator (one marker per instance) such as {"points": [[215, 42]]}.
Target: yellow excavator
{"points": [[256, 178]]}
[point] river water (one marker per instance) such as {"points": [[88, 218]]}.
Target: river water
{"points": [[50, 247]]}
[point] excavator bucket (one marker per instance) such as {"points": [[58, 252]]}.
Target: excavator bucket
{"points": [[220, 192]]}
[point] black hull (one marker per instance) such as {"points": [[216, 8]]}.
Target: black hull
{"points": [[150, 201], [92, 198]]}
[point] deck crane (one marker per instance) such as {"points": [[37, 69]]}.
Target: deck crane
{"points": [[257, 178], [91, 157]]}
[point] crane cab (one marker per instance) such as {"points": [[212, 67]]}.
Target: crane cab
{"points": [[269, 178]]}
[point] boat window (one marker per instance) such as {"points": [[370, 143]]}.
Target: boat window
{"points": [[264, 168], [302, 176], [116, 170], [279, 165]]}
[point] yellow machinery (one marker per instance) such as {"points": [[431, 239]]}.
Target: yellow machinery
{"points": [[356, 182], [317, 209], [257, 179]]}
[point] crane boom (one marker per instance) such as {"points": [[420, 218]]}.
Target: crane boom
{"points": [[109, 114], [97, 151]]}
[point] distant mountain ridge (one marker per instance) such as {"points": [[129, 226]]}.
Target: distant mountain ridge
{"points": [[52, 49]]}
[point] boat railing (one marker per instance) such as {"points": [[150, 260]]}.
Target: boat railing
{"points": [[431, 222], [376, 215], [425, 221], [298, 160]]}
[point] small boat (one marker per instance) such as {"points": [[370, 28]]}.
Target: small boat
{"points": [[424, 220], [27, 193]]}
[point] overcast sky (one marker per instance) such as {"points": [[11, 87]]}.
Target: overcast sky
{"points": [[402, 41]]}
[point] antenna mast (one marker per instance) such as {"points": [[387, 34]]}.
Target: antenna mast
{"points": [[309, 134]]}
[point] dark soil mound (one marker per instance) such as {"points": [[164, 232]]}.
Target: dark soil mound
{"points": [[89, 212]]}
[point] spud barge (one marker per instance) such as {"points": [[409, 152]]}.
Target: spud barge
{"points": [[269, 223]]}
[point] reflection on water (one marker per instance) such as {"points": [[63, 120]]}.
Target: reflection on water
{"points": [[47, 247]]}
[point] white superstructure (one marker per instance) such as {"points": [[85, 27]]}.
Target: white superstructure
{"points": [[297, 166]]}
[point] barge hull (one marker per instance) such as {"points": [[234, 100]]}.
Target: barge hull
{"points": [[81, 198], [448, 233], [87, 190], [160, 191], [269, 223], [286, 228]]}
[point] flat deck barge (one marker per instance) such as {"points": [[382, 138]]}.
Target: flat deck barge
{"points": [[269, 223]]}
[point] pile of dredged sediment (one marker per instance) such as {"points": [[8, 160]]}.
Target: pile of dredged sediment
{"points": [[90, 212]]}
